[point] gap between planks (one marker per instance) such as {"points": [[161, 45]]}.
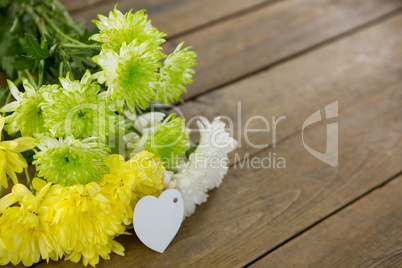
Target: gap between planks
{"points": [[77, 13], [301, 53], [328, 217], [320, 23], [354, 228]]}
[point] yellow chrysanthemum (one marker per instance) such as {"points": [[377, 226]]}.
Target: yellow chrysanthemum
{"points": [[25, 230], [86, 223], [11, 160], [128, 181]]}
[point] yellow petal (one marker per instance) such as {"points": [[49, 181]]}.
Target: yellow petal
{"points": [[43, 191], [7, 201], [38, 184], [8, 145], [16, 160], [100, 198], [24, 144], [2, 121], [3, 179], [12, 175], [20, 190]]}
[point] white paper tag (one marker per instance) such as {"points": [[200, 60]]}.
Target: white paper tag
{"points": [[157, 220]]}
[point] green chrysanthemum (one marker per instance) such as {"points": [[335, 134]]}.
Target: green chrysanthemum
{"points": [[70, 161], [167, 140], [175, 73], [119, 28], [76, 109], [27, 114], [130, 75]]}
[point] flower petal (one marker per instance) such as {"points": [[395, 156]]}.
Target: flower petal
{"points": [[10, 107], [28, 87], [8, 145], [14, 90], [7, 201], [24, 144], [19, 191]]}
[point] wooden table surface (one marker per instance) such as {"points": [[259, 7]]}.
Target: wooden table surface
{"points": [[288, 58]]}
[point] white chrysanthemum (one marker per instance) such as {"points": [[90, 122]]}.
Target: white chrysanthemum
{"points": [[189, 182], [144, 123], [206, 167], [214, 146]]}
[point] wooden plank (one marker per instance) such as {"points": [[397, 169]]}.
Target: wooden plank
{"points": [[245, 44], [257, 209], [344, 71], [172, 16], [248, 43], [73, 5], [367, 234]]}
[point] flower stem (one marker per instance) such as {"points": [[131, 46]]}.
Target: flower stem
{"points": [[61, 69], [58, 31], [137, 131], [82, 45], [8, 97], [37, 20], [66, 64], [29, 181], [40, 73], [30, 78], [68, 20]]}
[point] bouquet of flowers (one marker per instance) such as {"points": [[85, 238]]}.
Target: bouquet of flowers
{"points": [[86, 109]]}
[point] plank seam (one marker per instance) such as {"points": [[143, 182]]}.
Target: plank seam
{"points": [[239, 13], [378, 187], [364, 26], [88, 6], [201, 26]]}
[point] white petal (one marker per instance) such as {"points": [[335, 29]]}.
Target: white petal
{"points": [[86, 76], [14, 90], [28, 87], [10, 107]]}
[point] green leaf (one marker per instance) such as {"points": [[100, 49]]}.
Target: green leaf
{"points": [[34, 49], [191, 150], [49, 39], [22, 64]]}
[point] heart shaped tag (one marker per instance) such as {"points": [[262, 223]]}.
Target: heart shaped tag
{"points": [[157, 220]]}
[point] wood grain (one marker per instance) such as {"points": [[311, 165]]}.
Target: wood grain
{"points": [[365, 234], [256, 209], [241, 46], [247, 43], [343, 71], [171, 16], [74, 5]]}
